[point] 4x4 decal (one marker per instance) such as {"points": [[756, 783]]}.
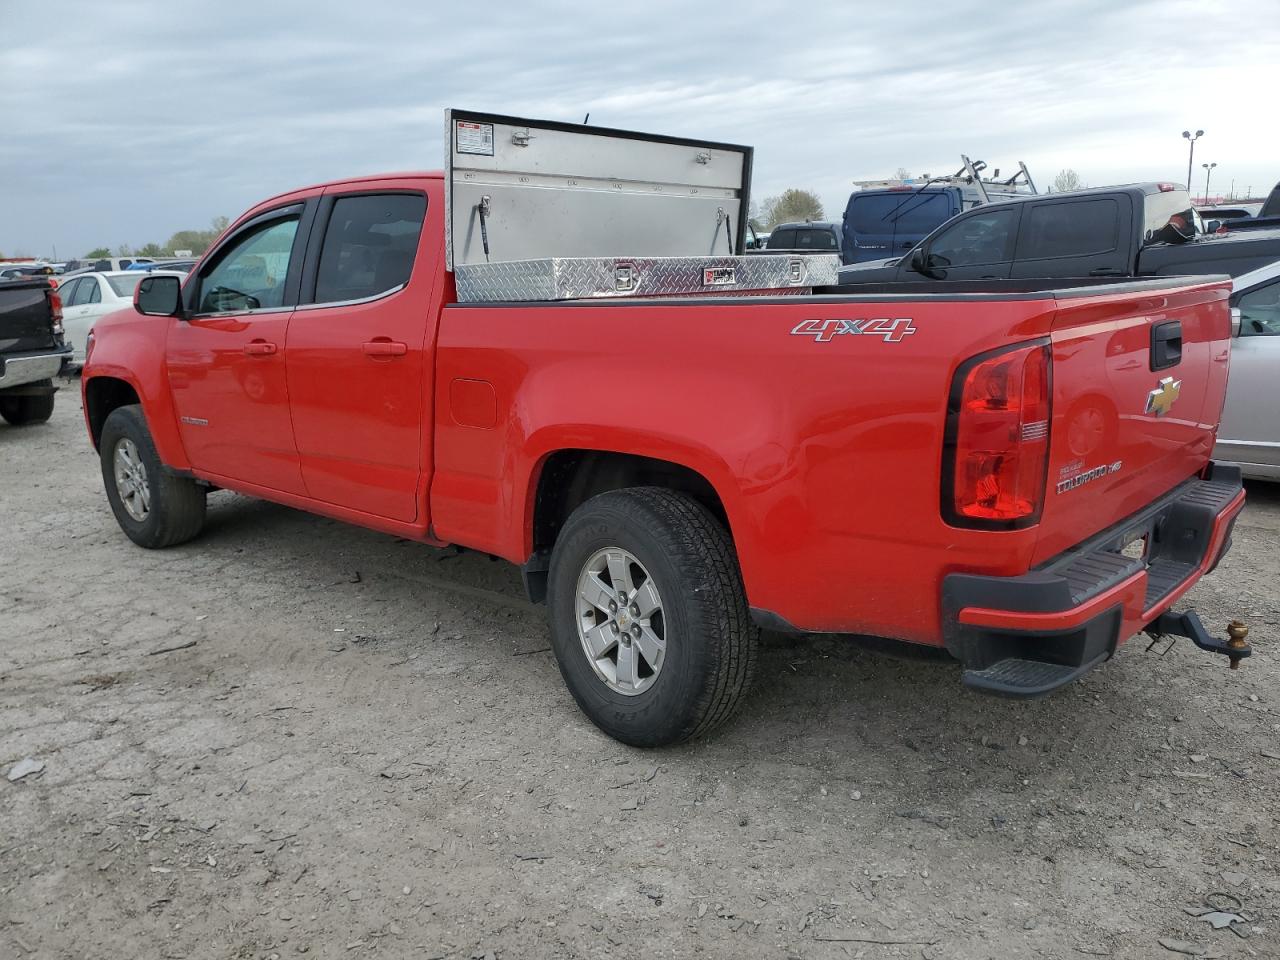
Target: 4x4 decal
{"points": [[891, 331]]}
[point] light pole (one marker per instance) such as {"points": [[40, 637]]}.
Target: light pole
{"points": [[1208, 169], [1191, 153]]}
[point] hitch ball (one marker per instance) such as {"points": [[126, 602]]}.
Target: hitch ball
{"points": [[1236, 632]]}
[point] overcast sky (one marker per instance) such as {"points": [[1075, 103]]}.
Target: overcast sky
{"points": [[122, 122]]}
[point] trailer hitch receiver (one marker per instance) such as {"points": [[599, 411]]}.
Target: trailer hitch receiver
{"points": [[1187, 624]]}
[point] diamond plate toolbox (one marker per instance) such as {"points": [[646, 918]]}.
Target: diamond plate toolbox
{"points": [[583, 278]]}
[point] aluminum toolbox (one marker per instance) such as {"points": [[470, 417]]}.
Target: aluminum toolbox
{"points": [[537, 210]]}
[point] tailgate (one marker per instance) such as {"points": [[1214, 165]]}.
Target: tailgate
{"points": [[26, 318], [1138, 384]]}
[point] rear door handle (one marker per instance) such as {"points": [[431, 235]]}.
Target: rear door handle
{"points": [[382, 347], [259, 348], [1105, 272]]}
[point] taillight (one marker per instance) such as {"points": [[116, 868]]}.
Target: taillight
{"points": [[55, 305], [997, 442]]}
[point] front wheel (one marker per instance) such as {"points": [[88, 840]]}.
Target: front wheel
{"points": [[649, 620], [23, 410], [153, 507]]}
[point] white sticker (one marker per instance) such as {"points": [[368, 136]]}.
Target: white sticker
{"points": [[474, 137]]}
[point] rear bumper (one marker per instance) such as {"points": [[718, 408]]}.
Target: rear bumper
{"points": [[1028, 635], [16, 371]]}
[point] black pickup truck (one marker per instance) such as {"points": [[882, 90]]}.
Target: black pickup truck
{"points": [[32, 349], [1138, 230]]}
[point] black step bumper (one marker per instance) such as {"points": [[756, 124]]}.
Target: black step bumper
{"points": [[1027, 636]]}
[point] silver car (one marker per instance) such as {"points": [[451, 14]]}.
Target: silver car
{"points": [[1250, 430]]}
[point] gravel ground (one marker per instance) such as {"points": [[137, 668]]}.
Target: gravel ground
{"points": [[362, 747]]}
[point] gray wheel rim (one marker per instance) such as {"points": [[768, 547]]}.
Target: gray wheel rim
{"points": [[620, 621], [131, 480]]}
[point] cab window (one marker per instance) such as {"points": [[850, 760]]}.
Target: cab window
{"points": [[369, 246], [981, 238], [250, 273], [1075, 228]]}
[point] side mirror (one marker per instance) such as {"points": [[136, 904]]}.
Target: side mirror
{"points": [[158, 296], [1212, 226], [917, 261], [1235, 321]]}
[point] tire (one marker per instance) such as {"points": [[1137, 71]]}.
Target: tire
{"points": [[704, 665], [154, 508], [21, 411]]}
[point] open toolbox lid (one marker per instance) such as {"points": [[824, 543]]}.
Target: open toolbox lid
{"points": [[539, 190]]}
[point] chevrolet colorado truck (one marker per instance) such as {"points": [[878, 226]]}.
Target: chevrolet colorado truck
{"points": [[538, 354], [32, 349]]}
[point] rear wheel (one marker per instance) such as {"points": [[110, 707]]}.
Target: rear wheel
{"points": [[21, 411], [153, 507], [649, 619]]}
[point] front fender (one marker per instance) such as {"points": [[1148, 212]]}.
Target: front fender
{"points": [[130, 347]]}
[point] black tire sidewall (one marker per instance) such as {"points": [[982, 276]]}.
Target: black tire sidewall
{"points": [[666, 712], [126, 423], [21, 411]]}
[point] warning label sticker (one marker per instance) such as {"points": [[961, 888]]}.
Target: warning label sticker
{"points": [[475, 138]]}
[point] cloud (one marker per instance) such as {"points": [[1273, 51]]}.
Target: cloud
{"points": [[124, 122]]}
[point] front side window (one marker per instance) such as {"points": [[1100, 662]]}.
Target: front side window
{"points": [[1076, 228], [250, 274], [981, 238], [1260, 311], [369, 246]]}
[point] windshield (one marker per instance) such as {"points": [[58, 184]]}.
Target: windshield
{"points": [[124, 286], [900, 212]]}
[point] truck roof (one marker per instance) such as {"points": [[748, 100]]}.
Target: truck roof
{"points": [[405, 175]]}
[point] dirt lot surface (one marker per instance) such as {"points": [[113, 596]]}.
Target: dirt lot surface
{"points": [[362, 748]]}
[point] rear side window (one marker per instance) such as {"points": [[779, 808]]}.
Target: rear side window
{"points": [[1076, 228], [369, 246], [92, 293]]}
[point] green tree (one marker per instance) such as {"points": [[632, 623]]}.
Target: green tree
{"points": [[151, 250], [124, 250], [1066, 181], [197, 241], [790, 205], [97, 253]]}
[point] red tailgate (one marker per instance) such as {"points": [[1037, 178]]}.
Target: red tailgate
{"points": [[1124, 433]]}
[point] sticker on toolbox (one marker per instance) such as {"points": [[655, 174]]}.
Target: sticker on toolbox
{"points": [[475, 138]]}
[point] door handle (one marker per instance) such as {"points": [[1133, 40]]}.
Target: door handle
{"points": [[259, 348], [1105, 272], [382, 347]]}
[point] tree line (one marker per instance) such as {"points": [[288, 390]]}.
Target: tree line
{"points": [[197, 241]]}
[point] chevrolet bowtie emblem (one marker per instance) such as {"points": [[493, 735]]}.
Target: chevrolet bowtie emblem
{"points": [[1161, 400]]}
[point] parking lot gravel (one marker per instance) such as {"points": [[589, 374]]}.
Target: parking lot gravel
{"points": [[293, 737]]}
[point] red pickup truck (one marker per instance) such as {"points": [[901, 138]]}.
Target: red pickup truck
{"points": [[1019, 474]]}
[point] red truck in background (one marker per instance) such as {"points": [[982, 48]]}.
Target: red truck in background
{"points": [[1016, 472]]}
